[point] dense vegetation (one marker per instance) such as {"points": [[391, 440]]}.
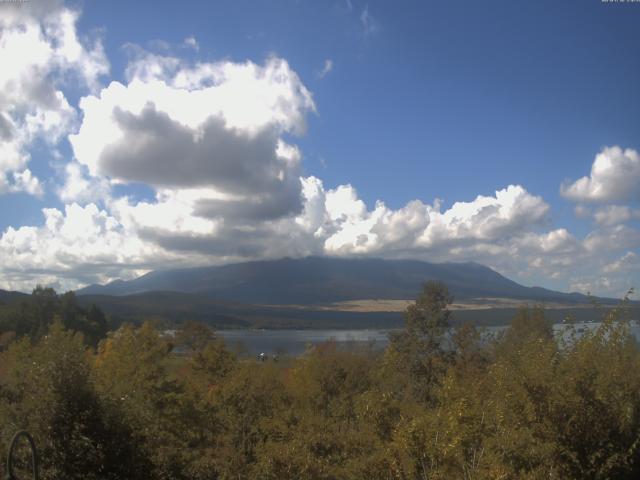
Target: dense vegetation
{"points": [[32, 315], [524, 405]]}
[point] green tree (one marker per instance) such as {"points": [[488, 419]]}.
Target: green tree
{"points": [[47, 389], [322, 428], [131, 375], [202, 375], [529, 324], [194, 336], [594, 416], [419, 350], [33, 315]]}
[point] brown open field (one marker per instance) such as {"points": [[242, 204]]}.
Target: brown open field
{"points": [[374, 305]]}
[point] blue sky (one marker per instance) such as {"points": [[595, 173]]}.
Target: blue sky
{"points": [[419, 105]]}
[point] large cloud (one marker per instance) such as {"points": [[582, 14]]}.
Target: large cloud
{"points": [[615, 215], [421, 227], [87, 244], [39, 50], [79, 245], [612, 239], [217, 126], [615, 176], [129, 236], [511, 211]]}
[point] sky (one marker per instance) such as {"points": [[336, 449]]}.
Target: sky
{"points": [[137, 136]]}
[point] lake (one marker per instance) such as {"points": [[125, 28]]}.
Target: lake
{"points": [[295, 342]]}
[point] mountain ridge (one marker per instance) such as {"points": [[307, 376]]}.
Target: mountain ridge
{"points": [[10, 295], [316, 280]]}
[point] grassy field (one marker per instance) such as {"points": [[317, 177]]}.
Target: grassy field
{"points": [[344, 315], [384, 305]]}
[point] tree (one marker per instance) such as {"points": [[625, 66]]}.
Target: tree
{"points": [[33, 315], [529, 324], [131, 375], [322, 428], [418, 350], [48, 390], [428, 318], [194, 336]]}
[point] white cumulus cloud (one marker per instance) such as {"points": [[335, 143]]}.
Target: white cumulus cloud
{"points": [[77, 245], [39, 50], [615, 176], [216, 126], [615, 214]]}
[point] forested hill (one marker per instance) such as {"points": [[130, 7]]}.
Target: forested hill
{"points": [[9, 296], [315, 280]]}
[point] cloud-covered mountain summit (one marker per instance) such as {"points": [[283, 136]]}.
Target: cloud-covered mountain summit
{"points": [[315, 280]]}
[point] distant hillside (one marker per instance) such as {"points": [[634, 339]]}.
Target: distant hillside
{"points": [[9, 296], [318, 280], [173, 308], [176, 307]]}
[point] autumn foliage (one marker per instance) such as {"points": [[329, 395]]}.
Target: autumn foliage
{"points": [[435, 404]]}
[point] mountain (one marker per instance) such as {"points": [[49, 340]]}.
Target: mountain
{"points": [[9, 296], [318, 280]]}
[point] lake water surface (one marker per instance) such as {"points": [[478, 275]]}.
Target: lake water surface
{"points": [[295, 342]]}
